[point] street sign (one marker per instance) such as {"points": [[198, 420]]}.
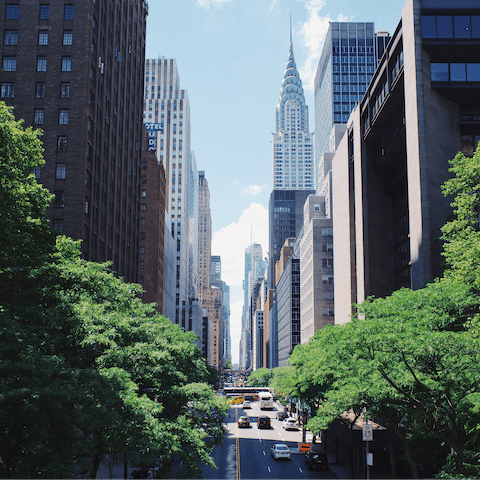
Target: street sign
{"points": [[367, 432]]}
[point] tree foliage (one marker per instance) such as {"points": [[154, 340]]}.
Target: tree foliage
{"points": [[260, 377], [86, 368]]}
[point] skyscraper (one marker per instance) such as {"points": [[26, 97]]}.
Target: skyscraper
{"points": [[293, 170], [167, 104], [292, 144], [63, 74], [349, 57]]}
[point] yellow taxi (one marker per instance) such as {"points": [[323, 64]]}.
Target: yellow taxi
{"points": [[236, 400]]}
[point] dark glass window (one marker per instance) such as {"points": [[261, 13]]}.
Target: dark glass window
{"points": [[11, 37], [66, 64], [58, 225], [62, 144], [473, 72], [13, 12], [476, 26], [68, 12], [65, 90], [59, 199], [444, 26], [61, 171], [67, 37], [9, 64], [458, 72], [462, 26], [40, 90], [41, 64], [439, 72], [63, 117], [429, 29], [39, 116], [44, 12], [8, 90], [43, 37]]}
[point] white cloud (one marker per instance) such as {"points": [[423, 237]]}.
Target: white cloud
{"points": [[212, 3], [231, 241], [313, 34], [253, 190]]}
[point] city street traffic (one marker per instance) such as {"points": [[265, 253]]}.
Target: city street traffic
{"points": [[246, 451]]}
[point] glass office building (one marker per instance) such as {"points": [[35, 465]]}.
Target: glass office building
{"points": [[349, 57]]}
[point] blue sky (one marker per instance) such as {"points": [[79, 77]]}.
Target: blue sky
{"points": [[231, 56]]}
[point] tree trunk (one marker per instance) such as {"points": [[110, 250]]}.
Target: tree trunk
{"points": [[406, 448]]}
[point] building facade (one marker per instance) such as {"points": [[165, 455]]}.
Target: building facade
{"points": [[167, 105], [421, 107], [62, 74]]}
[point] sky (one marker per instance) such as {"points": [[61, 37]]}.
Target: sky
{"points": [[231, 56]]}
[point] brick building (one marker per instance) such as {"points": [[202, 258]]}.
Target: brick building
{"points": [[75, 70]]}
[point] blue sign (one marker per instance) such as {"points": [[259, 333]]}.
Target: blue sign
{"points": [[152, 129]]}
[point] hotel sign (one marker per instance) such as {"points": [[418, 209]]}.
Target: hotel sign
{"points": [[152, 129]]}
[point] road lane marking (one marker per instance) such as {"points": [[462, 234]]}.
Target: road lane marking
{"points": [[301, 471], [263, 452], [269, 470]]}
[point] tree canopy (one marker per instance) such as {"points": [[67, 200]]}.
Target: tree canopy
{"points": [[87, 369]]}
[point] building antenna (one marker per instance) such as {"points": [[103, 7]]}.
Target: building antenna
{"points": [[290, 27]]}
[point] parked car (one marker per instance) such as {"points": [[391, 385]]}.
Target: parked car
{"points": [[316, 457], [247, 404], [290, 424], [244, 422], [282, 416], [250, 398], [280, 450], [263, 421]]}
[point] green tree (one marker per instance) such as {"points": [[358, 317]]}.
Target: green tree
{"points": [[409, 358], [462, 233], [260, 377], [85, 367]]}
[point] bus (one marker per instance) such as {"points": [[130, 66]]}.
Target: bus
{"points": [[266, 400]]}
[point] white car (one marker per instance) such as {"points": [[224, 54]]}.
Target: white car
{"points": [[290, 424], [280, 450], [247, 404]]}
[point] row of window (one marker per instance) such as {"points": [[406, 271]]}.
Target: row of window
{"points": [[11, 37], [8, 90], [39, 116], [455, 72], [9, 64], [448, 26], [12, 12]]}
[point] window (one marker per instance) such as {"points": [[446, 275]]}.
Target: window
{"points": [[87, 204], [65, 90], [13, 12], [58, 225], [143, 193], [63, 117], [142, 251], [40, 90], [66, 64], [9, 64], [473, 72], [39, 116], [68, 12], [142, 221], [59, 199], [8, 90], [143, 207], [44, 12], [11, 37], [61, 171], [43, 37], [42, 64], [67, 37], [62, 144], [36, 172], [142, 235]]}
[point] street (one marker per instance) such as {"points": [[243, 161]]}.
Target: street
{"points": [[246, 451]]}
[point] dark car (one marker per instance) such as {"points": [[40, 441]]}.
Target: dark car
{"points": [[316, 457], [248, 397], [282, 416], [263, 421]]}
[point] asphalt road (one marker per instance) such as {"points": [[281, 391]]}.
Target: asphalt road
{"points": [[245, 452]]}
